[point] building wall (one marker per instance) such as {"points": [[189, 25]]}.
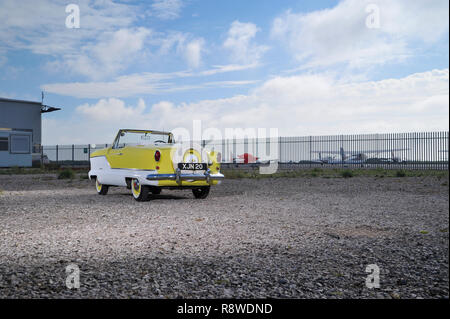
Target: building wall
{"points": [[22, 116], [18, 153]]}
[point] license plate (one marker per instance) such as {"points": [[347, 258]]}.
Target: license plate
{"points": [[192, 166]]}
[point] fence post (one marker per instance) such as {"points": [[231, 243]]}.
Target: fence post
{"points": [[310, 151], [234, 149], [73, 153], [223, 151], [245, 145], [256, 148], [57, 158], [279, 149]]}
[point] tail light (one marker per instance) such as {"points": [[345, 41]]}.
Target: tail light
{"points": [[219, 157], [157, 156]]}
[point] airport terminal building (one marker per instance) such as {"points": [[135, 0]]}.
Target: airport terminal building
{"points": [[20, 132]]}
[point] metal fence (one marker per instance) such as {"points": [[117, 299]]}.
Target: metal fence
{"points": [[420, 150]]}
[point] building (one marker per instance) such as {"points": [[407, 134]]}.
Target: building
{"points": [[20, 132]]}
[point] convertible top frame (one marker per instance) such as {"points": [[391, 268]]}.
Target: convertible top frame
{"points": [[171, 139]]}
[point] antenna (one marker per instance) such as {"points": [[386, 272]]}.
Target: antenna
{"points": [[46, 108]]}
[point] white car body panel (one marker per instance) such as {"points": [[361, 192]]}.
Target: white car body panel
{"points": [[116, 176]]}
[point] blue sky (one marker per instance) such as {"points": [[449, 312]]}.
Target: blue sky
{"points": [[305, 67]]}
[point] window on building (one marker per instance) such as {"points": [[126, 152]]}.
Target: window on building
{"points": [[20, 144], [4, 145]]}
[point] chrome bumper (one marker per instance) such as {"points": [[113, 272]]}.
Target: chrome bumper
{"points": [[178, 177]]}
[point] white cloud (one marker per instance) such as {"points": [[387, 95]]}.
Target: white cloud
{"points": [[105, 43], [122, 86], [193, 52], [229, 68], [111, 110], [230, 83], [240, 42], [297, 105], [41, 27], [167, 9], [340, 34], [113, 52], [169, 41], [183, 44], [144, 83]]}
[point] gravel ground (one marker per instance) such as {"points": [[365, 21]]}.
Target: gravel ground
{"points": [[251, 238]]}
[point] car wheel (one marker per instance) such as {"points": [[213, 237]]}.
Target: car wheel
{"points": [[140, 192], [156, 190], [101, 189], [201, 192]]}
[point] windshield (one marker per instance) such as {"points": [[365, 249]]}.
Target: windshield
{"points": [[136, 138]]}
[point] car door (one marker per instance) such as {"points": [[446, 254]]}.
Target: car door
{"points": [[117, 157]]}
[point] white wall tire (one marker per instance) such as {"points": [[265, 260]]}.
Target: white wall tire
{"points": [[140, 192], [101, 189]]}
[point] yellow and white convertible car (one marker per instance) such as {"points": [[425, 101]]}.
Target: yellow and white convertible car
{"points": [[148, 161]]}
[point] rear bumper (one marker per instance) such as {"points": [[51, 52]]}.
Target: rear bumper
{"points": [[178, 176]]}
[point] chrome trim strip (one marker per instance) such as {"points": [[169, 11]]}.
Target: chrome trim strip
{"points": [[133, 169], [178, 176]]}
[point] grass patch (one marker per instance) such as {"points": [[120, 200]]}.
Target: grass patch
{"points": [[400, 173], [316, 172], [347, 173], [53, 169], [20, 171], [424, 232], [17, 170], [66, 174], [333, 173]]}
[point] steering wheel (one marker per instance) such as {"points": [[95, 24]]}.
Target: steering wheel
{"points": [[160, 141]]}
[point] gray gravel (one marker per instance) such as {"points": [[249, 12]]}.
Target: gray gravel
{"points": [[277, 238]]}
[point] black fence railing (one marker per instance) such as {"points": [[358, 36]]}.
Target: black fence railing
{"points": [[420, 150]]}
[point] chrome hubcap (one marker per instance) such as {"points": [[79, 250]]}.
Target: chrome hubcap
{"points": [[136, 185]]}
